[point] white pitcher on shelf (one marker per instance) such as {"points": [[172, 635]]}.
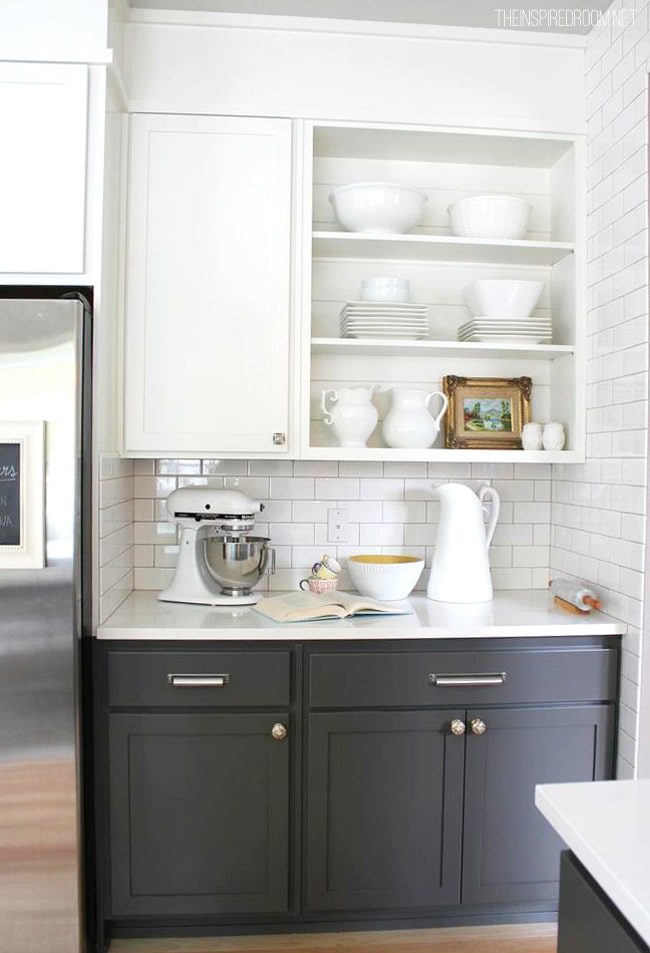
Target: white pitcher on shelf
{"points": [[353, 416], [409, 423]]}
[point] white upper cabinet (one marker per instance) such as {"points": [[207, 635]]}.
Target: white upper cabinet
{"points": [[447, 164], [43, 110], [206, 339]]}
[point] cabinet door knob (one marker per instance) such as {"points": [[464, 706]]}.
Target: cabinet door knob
{"points": [[278, 731], [279, 439], [457, 727], [478, 726]]}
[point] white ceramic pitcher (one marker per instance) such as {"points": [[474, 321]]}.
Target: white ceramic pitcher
{"points": [[460, 571], [354, 416], [409, 423]]}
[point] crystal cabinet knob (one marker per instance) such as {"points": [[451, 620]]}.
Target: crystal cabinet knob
{"points": [[457, 727], [478, 726], [278, 731]]}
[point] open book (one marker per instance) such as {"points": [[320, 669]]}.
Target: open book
{"points": [[311, 607]]}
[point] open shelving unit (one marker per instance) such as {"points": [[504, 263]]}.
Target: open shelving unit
{"points": [[547, 171]]}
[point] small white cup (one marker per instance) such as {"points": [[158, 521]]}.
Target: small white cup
{"points": [[532, 436], [553, 437]]}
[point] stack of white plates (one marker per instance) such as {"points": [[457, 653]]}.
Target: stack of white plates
{"points": [[507, 330], [389, 319]]}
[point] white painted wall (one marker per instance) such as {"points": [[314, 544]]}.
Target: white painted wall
{"points": [[215, 63], [72, 30], [599, 511]]}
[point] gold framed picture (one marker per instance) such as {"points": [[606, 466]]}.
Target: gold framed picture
{"points": [[486, 413]]}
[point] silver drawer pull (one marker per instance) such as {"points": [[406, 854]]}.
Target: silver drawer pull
{"points": [[489, 678], [198, 681]]}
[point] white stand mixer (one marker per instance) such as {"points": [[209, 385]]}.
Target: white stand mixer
{"points": [[218, 563]]}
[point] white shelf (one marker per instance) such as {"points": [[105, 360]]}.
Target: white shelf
{"points": [[441, 455], [390, 346], [438, 248]]}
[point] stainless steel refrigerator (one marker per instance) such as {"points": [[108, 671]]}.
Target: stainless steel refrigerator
{"points": [[44, 605]]}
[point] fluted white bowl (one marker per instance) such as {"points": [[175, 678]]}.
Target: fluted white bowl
{"points": [[489, 216], [377, 207], [385, 577], [502, 297]]}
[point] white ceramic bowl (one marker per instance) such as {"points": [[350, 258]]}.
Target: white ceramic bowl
{"points": [[502, 297], [489, 216], [385, 289], [377, 207], [385, 577]]}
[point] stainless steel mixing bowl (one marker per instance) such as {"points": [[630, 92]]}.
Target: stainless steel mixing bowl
{"points": [[237, 565]]}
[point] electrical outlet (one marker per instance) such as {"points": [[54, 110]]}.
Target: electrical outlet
{"points": [[337, 526]]}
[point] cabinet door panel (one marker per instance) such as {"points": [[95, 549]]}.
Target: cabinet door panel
{"points": [[510, 851], [43, 110], [206, 343], [384, 810], [199, 814]]}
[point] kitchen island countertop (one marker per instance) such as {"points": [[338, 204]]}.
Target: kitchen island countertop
{"points": [[511, 614], [607, 826]]}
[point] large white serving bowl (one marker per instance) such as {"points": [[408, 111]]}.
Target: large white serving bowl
{"points": [[377, 207], [502, 297], [489, 216], [385, 577]]}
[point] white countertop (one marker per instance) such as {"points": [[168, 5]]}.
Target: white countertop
{"points": [[607, 826], [511, 614]]}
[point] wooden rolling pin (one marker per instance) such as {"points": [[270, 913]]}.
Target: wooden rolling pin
{"points": [[574, 597]]}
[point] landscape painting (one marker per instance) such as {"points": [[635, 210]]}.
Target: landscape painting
{"points": [[487, 414]]}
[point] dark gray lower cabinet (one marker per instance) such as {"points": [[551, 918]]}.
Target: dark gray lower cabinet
{"points": [[199, 813], [404, 814], [403, 789], [510, 853], [384, 815]]}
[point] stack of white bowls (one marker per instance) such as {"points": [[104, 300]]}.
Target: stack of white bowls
{"points": [[502, 309]]}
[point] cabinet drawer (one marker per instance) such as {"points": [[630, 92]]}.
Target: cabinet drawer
{"points": [[198, 679], [391, 679]]}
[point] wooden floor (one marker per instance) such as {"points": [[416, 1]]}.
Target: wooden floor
{"points": [[534, 938]]}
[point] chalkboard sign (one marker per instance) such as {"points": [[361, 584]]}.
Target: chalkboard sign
{"points": [[10, 495]]}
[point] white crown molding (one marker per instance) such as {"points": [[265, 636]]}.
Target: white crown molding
{"points": [[241, 21]]}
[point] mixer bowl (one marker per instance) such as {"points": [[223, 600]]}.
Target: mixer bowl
{"points": [[238, 564]]}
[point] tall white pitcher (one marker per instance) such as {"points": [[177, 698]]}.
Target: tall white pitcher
{"points": [[461, 567]]}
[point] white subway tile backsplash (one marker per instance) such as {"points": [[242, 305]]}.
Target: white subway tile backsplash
{"points": [[144, 555], [178, 467], [315, 468], [269, 468], [221, 468], [148, 578], [291, 488], [337, 488], [155, 487], [278, 511], [142, 511], [355, 468], [363, 511], [155, 534], [255, 487], [401, 511], [292, 534], [385, 534]]}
